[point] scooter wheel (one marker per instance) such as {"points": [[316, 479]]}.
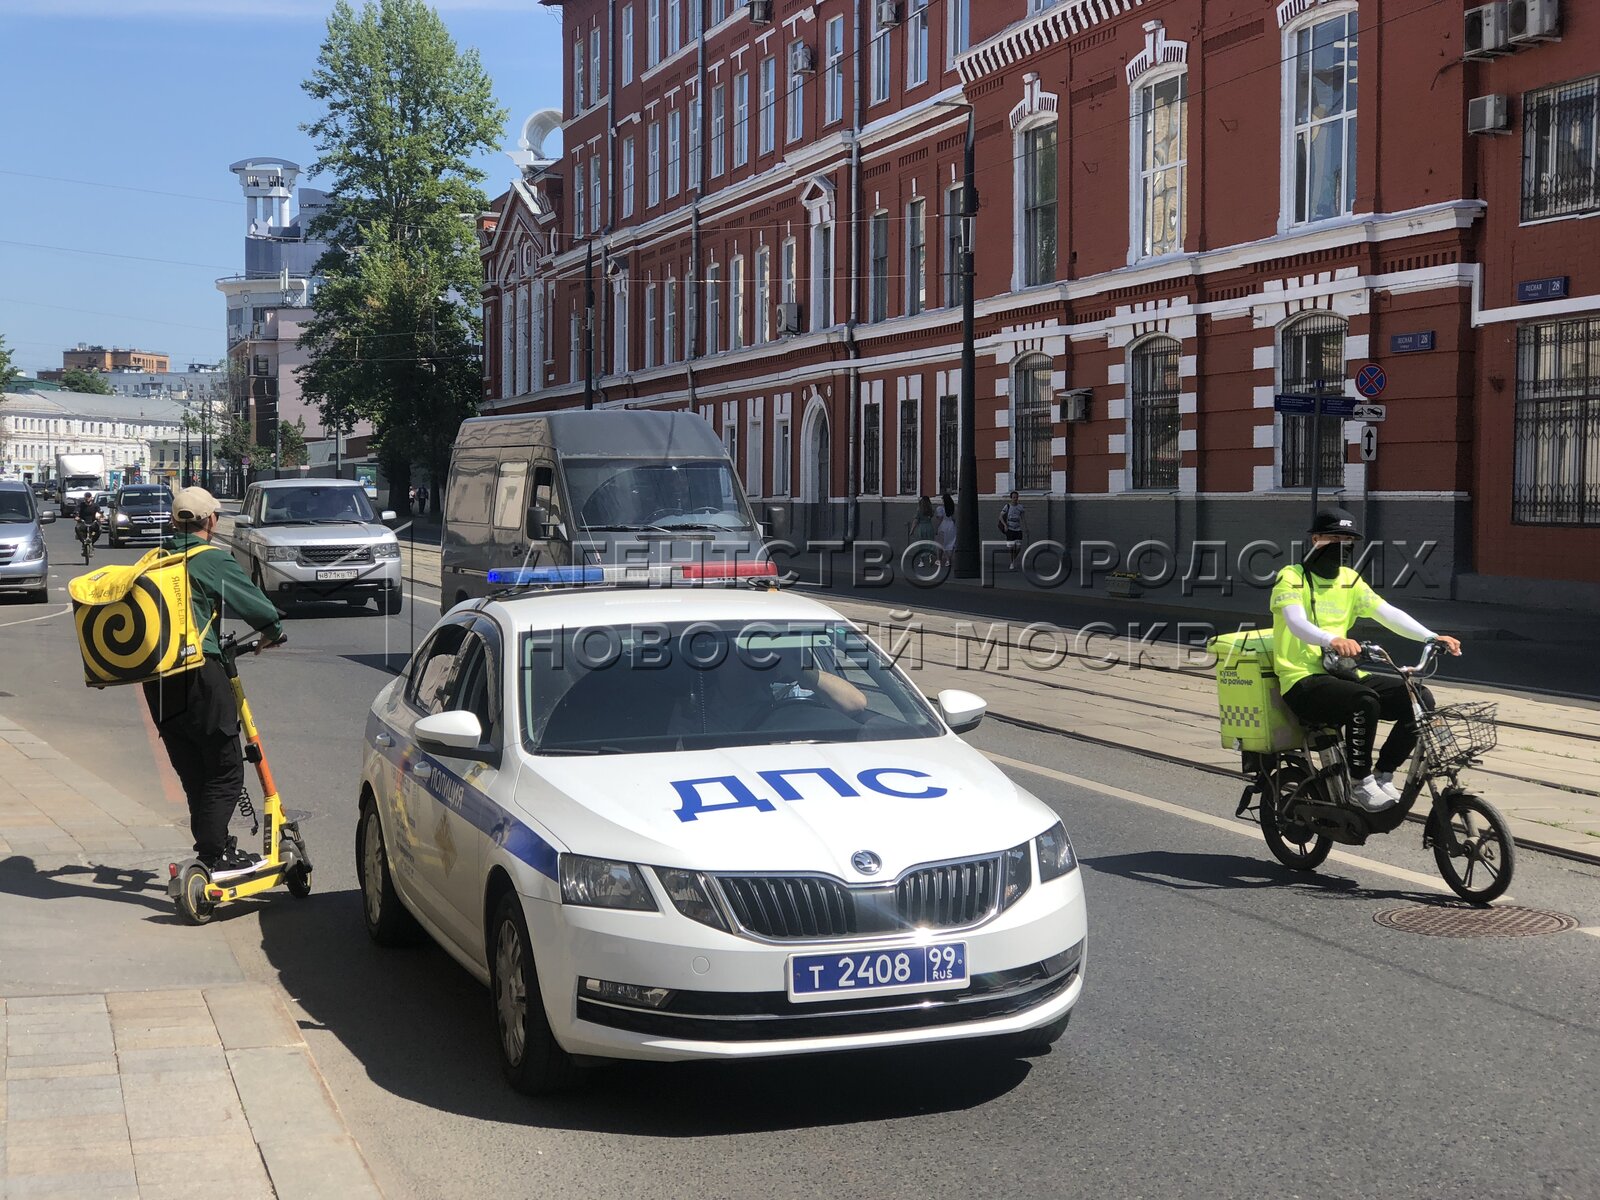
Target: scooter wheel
{"points": [[194, 906], [298, 880]]}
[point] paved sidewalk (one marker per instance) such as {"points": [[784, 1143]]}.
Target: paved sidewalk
{"points": [[135, 1058]]}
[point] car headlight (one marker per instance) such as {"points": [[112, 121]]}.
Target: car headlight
{"points": [[1016, 874], [599, 883], [35, 549], [1056, 857], [386, 550], [122, 518], [279, 554], [690, 893]]}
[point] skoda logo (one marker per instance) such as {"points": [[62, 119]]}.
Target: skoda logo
{"points": [[866, 862]]}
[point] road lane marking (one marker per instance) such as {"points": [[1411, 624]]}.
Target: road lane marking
{"points": [[1592, 930], [1431, 882], [41, 617]]}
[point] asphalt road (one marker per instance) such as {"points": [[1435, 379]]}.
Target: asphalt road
{"points": [[1244, 1032]]}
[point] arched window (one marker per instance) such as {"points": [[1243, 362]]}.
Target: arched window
{"points": [[1030, 424], [1155, 455], [1160, 117], [1311, 355], [1320, 91]]}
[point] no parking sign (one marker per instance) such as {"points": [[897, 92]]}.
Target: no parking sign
{"points": [[1371, 380]]}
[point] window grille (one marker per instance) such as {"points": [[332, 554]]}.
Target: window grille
{"points": [[1557, 476], [1313, 349], [1155, 414], [1561, 150]]}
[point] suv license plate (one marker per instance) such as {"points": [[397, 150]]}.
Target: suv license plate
{"points": [[341, 573], [889, 972]]}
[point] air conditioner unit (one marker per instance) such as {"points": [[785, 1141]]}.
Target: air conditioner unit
{"points": [[802, 58], [761, 11], [1487, 31], [1075, 404], [1488, 114], [789, 318], [1529, 21], [888, 13]]}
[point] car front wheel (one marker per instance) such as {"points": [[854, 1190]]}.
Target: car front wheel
{"points": [[534, 1063], [388, 921]]}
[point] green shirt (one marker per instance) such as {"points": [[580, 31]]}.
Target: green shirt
{"points": [[1332, 605], [218, 587]]}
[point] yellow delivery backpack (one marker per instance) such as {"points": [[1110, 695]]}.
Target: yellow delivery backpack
{"points": [[137, 623]]}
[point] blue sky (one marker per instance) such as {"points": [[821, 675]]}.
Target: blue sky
{"points": [[162, 95]]}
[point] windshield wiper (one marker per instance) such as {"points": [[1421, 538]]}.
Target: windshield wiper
{"points": [[625, 529], [696, 525], [336, 521]]}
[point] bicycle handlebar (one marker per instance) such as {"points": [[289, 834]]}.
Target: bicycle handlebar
{"points": [[1430, 656], [230, 641]]}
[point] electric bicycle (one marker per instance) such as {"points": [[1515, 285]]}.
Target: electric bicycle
{"points": [[198, 891], [1302, 797]]}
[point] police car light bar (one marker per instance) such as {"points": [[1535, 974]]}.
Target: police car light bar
{"points": [[535, 576], [730, 570]]}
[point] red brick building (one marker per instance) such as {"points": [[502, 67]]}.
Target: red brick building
{"points": [[1185, 207]]}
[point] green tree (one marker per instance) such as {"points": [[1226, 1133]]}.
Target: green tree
{"points": [[394, 340], [8, 369], [79, 379], [292, 444]]}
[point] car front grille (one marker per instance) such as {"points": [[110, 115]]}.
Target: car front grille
{"points": [[7, 551], [819, 907], [322, 556]]}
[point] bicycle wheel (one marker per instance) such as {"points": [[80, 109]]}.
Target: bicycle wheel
{"points": [[1474, 850], [1293, 843]]}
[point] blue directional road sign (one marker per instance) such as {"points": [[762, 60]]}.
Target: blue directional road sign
{"points": [[1304, 404], [1371, 380]]}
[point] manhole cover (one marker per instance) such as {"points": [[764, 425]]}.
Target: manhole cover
{"points": [[1434, 920]]}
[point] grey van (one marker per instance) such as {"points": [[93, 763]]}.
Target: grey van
{"points": [[649, 497]]}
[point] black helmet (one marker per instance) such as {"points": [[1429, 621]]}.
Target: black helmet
{"points": [[1335, 520]]}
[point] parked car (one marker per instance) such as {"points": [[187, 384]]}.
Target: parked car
{"points": [[318, 539], [705, 823], [139, 511], [24, 558]]}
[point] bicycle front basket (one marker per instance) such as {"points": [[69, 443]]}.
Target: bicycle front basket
{"points": [[1458, 733]]}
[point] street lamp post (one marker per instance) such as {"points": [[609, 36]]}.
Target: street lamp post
{"points": [[966, 564], [588, 324]]}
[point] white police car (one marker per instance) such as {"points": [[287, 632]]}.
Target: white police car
{"points": [[668, 824]]}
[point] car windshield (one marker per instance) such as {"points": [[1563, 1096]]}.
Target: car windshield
{"points": [[622, 493], [15, 505], [146, 495], [315, 505], [648, 689]]}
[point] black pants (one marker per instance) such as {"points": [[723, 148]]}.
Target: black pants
{"points": [[1355, 706], [198, 720]]}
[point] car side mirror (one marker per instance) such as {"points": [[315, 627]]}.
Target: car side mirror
{"points": [[243, 522], [386, 515], [962, 711], [456, 734], [47, 518]]}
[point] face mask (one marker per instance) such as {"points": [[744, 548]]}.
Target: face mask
{"points": [[1325, 560]]}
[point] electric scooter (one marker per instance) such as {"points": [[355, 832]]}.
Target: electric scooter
{"points": [[195, 889]]}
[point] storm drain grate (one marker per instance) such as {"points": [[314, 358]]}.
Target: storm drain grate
{"points": [[1437, 920]]}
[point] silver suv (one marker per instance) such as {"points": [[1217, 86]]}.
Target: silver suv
{"points": [[24, 560], [318, 539]]}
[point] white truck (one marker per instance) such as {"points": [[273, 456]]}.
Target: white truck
{"points": [[77, 476]]}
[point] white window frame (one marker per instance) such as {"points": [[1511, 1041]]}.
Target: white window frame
{"points": [[719, 118], [1022, 249], [675, 26], [694, 145], [917, 50], [652, 51], [916, 256], [578, 95], [1029, 363], [881, 58], [763, 296], [789, 271], [768, 99], [653, 165], [713, 320], [674, 151], [822, 253], [781, 452], [912, 404], [954, 242], [741, 118], [1142, 177], [594, 195], [619, 325], [958, 32], [649, 326], [627, 176], [1332, 10], [627, 43], [508, 380], [878, 253], [833, 72], [874, 407], [597, 77], [795, 106], [736, 288], [669, 322], [579, 194]]}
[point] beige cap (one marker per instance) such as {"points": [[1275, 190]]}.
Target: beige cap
{"points": [[194, 504]]}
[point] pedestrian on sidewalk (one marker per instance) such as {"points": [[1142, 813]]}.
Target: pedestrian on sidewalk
{"points": [[422, 500], [946, 529], [923, 528], [195, 711], [1014, 526]]}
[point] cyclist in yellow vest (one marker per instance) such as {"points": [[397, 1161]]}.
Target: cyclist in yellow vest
{"points": [[1314, 604]]}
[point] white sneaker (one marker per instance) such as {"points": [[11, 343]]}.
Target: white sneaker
{"points": [[1369, 794], [1386, 782]]}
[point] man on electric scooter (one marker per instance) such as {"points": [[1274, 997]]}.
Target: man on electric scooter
{"points": [[195, 712], [1314, 604]]}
